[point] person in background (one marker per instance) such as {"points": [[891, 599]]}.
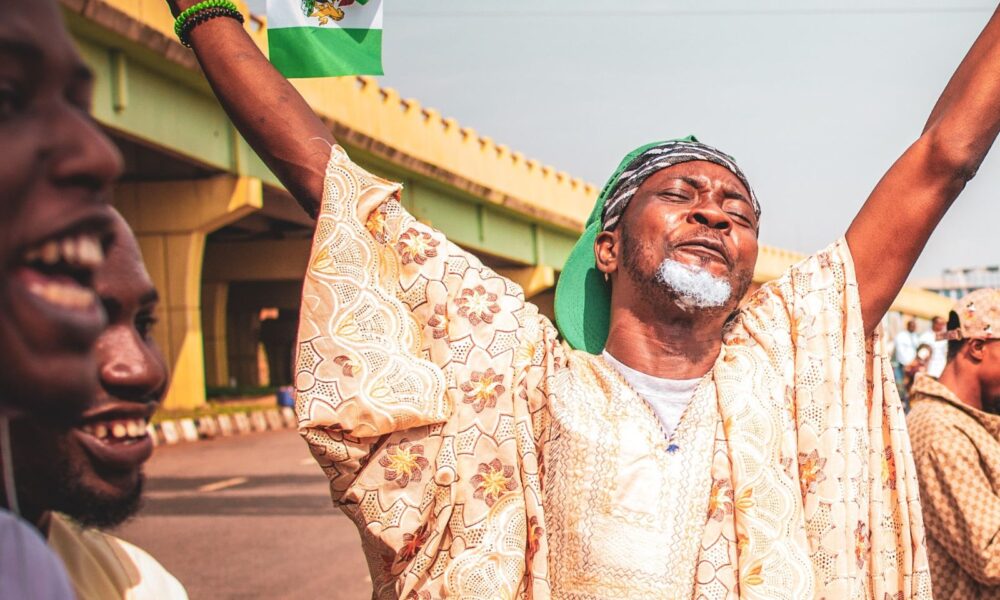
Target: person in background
{"points": [[917, 365], [934, 338], [54, 225], [955, 431], [903, 353], [74, 481]]}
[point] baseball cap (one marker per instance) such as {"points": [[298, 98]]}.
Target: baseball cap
{"points": [[978, 316]]}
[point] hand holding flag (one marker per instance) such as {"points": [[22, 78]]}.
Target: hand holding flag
{"points": [[325, 38]]}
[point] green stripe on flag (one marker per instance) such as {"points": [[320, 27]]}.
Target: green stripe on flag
{"points": [[325, 52]]}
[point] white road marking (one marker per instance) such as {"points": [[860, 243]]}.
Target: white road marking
{"points": [[221, 485]]}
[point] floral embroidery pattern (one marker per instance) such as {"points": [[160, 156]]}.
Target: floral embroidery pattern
{"points": [[376, 224], [483, 389], [349, 366], [403, 462], [535, 533], [477, 305], [811, 471], [745, 501], [861, 543], [720, 501], [888, 470], [741, 544], [438, 322], [412, 543], [753, 576], [416, 247], [492, 480]]}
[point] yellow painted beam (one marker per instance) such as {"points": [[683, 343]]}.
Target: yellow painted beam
{"points": [[272, 260], [533, 280], [922, 303], [189, 205]]}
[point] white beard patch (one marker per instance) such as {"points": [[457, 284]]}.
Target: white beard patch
{"points": [[695, 287]]}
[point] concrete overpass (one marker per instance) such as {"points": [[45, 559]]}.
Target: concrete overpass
{"points": [[227, 246]]}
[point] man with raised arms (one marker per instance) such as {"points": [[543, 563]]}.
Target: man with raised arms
{"points": [[670, 443]]}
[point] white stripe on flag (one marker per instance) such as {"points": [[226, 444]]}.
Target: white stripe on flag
{"points": [[288, 13]]}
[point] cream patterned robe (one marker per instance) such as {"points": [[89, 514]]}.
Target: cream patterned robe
{"points": [[482, 458]]}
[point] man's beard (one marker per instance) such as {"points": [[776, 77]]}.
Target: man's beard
{"points": [[47, 478], [89, 507], [690, 287], [693, 286]]}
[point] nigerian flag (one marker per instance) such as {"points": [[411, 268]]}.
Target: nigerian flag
{"points": [[324, 38]]}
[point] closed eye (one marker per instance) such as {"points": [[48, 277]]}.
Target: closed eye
{"points": [[742, 218], [674, 195]]}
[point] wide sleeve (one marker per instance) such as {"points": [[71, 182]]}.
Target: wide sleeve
{"points": [[963, 510], [821, 455], [421, 386]]}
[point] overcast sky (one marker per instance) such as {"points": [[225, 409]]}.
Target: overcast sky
{"points": [[815, 99]]}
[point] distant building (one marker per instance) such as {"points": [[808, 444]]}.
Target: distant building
{"points": [[957, 282]]}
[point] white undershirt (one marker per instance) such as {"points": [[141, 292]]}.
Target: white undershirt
{"points": [[667, 397]]}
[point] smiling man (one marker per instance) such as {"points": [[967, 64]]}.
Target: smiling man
{"points": [[54, 222], [672, 444], [54, 180], [72, 481]]}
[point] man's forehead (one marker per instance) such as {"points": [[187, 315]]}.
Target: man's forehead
{"points": [[698, 171]]}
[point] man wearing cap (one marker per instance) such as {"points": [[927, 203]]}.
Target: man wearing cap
{"points": [[670, 443], [955, 431]]}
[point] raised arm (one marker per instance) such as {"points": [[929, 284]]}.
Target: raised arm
{"points": [[896, 221], [270, 113]]}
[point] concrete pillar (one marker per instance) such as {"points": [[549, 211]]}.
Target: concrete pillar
{"points": [[215, 299], [171, 220]]}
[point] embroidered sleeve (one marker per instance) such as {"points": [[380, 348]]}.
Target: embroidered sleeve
{"points": [[817, 436], [420, 378]]}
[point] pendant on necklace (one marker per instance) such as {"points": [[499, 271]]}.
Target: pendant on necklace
{"points": [[672, 448]]}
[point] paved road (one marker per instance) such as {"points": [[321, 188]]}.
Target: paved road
{"points": [[248, 517]]}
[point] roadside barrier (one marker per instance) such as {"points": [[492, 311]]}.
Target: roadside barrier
{"points": [[205, 428]]}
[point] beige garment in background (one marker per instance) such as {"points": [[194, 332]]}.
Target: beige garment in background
{"points": [[957, 452], [482, 458], [103, 567]]}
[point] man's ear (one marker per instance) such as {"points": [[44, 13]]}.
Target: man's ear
{"points": [[606, 248], [976, 350]]}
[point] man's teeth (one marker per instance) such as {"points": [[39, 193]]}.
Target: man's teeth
{"points": [[65, 295], [120, 429], [83, 250]]}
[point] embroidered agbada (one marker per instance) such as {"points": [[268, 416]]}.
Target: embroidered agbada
{"points": [[482, 458]]}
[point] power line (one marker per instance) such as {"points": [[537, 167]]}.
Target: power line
{"points": [[668, 12]]}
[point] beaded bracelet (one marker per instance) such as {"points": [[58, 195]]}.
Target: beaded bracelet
{"points": [[186, 13], [201, 12]]}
